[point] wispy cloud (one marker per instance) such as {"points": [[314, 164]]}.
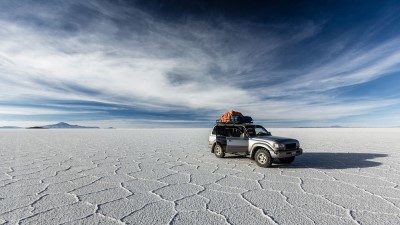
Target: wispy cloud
{"points": [[126, 58], [28, 111], [355, 67]]}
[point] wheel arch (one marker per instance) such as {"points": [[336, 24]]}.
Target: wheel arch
{"points": [[255, 147]]}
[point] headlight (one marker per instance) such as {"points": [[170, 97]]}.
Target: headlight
{"points": [[297, 144], [278, 146]]}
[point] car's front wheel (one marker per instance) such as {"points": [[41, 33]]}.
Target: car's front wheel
{"points": [[287, 160], [218, 151], [263, 158]]}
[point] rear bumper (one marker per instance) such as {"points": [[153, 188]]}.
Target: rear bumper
{"points": [[286, 154]]}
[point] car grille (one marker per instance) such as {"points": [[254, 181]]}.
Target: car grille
{"points": [[290, 146]]}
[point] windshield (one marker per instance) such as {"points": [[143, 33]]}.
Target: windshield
{"points": [[256, 130]]}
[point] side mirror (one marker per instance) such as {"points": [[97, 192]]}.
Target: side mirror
{"points": [[268, 133]]}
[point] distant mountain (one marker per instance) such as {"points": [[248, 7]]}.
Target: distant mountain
{"points": [[63, 125], [10, 127]]}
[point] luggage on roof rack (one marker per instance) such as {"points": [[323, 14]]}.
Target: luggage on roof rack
{"points": [[227, 117], [235, 118], [245, 119]]}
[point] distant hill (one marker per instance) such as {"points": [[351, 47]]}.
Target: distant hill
{"points": [[63, 125], [10, 127]]}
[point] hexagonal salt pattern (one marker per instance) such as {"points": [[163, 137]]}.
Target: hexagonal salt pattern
{"points": [[169, 176]]}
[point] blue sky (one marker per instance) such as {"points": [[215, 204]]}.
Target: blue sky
{"points": [[184, 63]]}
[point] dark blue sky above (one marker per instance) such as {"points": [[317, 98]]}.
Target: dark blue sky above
{"points": [[184, 63]]}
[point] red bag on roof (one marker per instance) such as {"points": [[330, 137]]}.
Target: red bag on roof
{"points": [[226, 118]]}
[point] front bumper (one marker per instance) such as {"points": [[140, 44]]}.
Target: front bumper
{"points": [[286, 153]]}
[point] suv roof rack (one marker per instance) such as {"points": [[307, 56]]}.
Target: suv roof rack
{"points": [[232, 123]]}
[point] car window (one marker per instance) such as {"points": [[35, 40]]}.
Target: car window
{"points": [[260, 131], [233, 131], [254, 131], [220, 131], [228, 131]]}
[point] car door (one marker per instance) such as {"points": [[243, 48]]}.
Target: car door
{"points": [[237, 143]]}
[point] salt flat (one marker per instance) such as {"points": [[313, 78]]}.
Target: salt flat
{"points": [[161, 176]]}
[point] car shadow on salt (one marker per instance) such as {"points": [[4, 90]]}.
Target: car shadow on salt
{"points": [[325, 160], [334, 160]]}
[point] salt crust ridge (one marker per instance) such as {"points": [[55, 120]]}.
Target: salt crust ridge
{"points": [[169, 176]]}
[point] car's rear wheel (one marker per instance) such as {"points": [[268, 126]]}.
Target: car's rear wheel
{"points": [[263, 158], [218, 151], [287, 160]]}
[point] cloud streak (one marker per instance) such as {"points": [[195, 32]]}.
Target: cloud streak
{"points": [[126, 58]]}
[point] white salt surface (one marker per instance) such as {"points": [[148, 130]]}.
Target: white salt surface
{"points": [[162, 176]]}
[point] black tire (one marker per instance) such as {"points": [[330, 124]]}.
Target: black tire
{"points": [[287, 160], [219, 151], [263, 158]]}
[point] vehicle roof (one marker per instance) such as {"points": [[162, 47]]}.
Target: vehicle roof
{"points": [[236, 124]]}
